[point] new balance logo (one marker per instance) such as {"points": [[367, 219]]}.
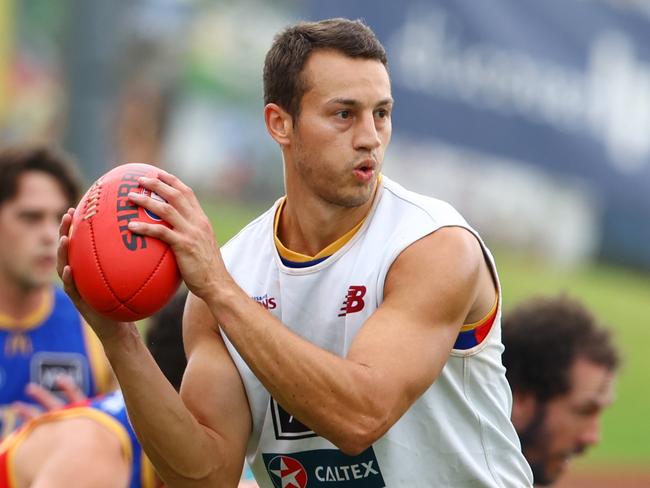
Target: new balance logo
{"points": [[353, 300]]}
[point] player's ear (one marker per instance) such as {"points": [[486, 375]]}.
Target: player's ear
{"points": [[524, 405], [279, 123]]}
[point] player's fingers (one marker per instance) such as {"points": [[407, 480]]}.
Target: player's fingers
{"points": [[70, 389], [158, 231], [24, 411], [173, 181], [174, 191], [70, 288], [66, 221], [43, 397], [62, 254], [162, 209], [165, 191]]}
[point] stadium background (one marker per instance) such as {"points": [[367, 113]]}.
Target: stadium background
{"points": [[532, 118]]}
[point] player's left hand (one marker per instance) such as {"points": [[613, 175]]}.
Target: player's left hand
{"points": [[190, 237], [46, 400], [104, 328]]}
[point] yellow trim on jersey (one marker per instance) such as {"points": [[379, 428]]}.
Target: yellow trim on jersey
{"points": [[147, 473], [100, 369], [487, 317], [33, 319], [297, 257], [11, 444], [8, 416]]}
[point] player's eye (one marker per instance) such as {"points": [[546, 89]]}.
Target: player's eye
{"points": [[382, 113], [31, 217], [344, 114]]}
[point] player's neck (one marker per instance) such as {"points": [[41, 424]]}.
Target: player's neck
{"points": [[19, 302], [311, 225]]}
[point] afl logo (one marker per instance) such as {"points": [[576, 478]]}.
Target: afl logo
{"points": [[287, 472], [155, 196]]}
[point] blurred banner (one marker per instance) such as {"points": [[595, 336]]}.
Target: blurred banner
{"points": [[552, 98], [6, 33]]}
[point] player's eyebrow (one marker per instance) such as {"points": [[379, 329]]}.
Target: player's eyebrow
{"points": [[351, 102]]}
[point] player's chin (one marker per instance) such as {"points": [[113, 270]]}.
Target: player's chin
{"points": [[39, 278], [553, 470]]}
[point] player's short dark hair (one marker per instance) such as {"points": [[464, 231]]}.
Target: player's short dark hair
{"points": [[544, 336], [19, 159], [284, 83], [164, 339]]}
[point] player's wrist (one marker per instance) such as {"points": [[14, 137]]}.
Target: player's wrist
{"points": [[222, 294], [118, 335]]}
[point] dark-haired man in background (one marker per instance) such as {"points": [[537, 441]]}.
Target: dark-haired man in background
{"points": [[42, 335], [561, 365]]}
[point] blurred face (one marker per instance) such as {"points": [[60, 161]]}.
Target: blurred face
{"points": [[339, 137], [567, 425], [29, 231]]}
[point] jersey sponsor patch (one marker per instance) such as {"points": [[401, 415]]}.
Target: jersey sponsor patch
{"points": [[269, 303], [286, 426], [324, 468], [45, 367]]}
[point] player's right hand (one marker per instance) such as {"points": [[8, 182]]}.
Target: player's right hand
{"points": [[105, 328]]}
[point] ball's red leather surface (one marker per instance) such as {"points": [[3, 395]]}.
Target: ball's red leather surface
{"points": [[122, 275]]}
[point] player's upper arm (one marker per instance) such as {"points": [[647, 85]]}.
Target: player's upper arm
{"points": [[429, 292], [212, 388]]}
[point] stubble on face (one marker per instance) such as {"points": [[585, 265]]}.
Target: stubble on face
{"points": [[332, 183], [338, 138]]}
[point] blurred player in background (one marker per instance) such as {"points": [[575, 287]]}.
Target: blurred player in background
{"points": [[42, 335], [351, 334], [561, 365], [91, 444]]}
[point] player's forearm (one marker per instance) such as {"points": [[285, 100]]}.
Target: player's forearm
{"points": [[179, 447], [339, 399]]}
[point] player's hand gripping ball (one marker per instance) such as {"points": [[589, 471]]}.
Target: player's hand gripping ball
{"points": [[122, 275]]}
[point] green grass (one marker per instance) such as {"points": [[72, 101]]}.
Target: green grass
{"points": [[229, 218], [619, 297]]}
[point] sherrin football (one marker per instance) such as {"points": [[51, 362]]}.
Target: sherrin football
{"points": [[122, 275]]}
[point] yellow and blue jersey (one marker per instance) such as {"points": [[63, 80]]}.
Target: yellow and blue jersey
{"points": [[53, 340]]}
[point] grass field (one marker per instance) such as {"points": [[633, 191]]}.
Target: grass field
{"points": [[619, 297]]}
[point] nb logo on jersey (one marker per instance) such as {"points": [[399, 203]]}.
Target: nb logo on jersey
{"points": [[353, 300]]}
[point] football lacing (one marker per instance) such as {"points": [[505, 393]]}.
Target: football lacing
{"points": [[91, 206]]}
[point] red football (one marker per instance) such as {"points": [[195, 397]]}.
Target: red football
{"points": [[122, 275]]}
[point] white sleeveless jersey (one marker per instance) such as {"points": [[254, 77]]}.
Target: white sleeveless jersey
{"points": [[458, 434]]}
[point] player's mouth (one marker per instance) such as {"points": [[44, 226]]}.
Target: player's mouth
{"points": [[365, 170], [45, 261]]}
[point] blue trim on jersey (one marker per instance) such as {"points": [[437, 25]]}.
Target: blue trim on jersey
{"points": [[466, 340], [305, 264], [113, 406]]}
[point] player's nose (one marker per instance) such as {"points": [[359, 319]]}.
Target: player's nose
{"points": [[591, 434], [366, 134]]}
